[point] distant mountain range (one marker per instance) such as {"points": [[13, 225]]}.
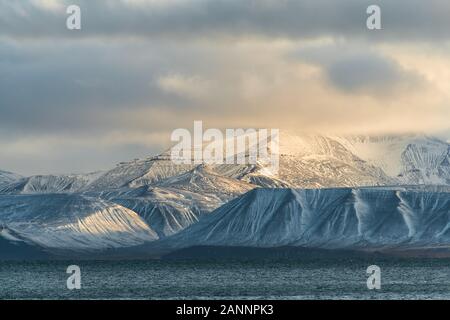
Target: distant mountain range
{"points": [[374, 191]]}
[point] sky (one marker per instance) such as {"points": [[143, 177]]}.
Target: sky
{"points": [[82, 100]]}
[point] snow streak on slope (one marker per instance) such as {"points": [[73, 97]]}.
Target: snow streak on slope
{"points": [[8, 177], [5, 233], [72, 222], [324, 218], [12, 248]]}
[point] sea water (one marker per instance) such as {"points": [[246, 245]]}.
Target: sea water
{"points": [[219, 279]]}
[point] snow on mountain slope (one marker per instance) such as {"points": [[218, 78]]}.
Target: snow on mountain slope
{"points": [[321, 161], [49, 184], [5, 233], [182, 200], [145, 200], [412, 159], [203, 180], [8, 177], [328, 172], [12, 248], [306, 161], [315, 161], [166, 210], [366, 218], [171, 197], [155, 170], [177, 202], [138, 173], [72, 222]]}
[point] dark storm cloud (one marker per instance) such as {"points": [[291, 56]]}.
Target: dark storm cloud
{"points": [[402, 19]]}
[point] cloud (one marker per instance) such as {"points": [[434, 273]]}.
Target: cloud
{"points": [[81, 101], [371, 74], [50, 5], [46, 86], [185, 86], [360, 69], [297, 19]]}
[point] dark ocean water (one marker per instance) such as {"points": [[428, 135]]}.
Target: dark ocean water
{"points": [[270, 279]]}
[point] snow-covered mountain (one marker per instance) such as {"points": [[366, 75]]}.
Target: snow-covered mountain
{"points": [[153, 199], [166, 210], [8, 177], [139, 172], [306, 161], [364, 218], [49, 184], [173, 204], [206, 181], [71, 222], [315, 161], [411, 159]]}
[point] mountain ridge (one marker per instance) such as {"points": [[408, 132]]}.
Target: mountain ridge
{"points": [[155, 201], [361, 219], [306, 161]]}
